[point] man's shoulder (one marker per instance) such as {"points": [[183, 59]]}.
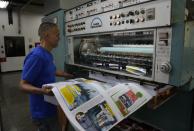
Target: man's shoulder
{"points": [[37, 53]]}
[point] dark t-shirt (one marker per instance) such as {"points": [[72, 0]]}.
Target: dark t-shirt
{"points": [[38, 70]]}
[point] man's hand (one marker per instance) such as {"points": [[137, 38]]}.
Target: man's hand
{"points": [[27, 87], [47, 90], [63, 74], [69, 75]]}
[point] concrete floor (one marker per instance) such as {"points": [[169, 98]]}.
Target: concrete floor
{"points": [[14, 104]]}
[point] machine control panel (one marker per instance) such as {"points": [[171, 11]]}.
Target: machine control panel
{"points": [[132, 17], [151, 14], [99, 6], [163, 54], [80, 26], [132, 41]]}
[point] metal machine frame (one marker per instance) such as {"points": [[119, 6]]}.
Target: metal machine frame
{"points": [[171, 116]]}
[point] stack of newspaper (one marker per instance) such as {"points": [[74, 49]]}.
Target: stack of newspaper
{"points": [[95, 106]]}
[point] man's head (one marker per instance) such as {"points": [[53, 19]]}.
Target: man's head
{"points": [[49, 33]]}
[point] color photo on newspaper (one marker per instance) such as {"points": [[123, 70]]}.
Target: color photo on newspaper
{"points": [[94, 106]]}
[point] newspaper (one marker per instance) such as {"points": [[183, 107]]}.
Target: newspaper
{"points": [[95, 106]]}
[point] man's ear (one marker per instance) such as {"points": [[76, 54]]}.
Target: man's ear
{"points": [[46, 35]]}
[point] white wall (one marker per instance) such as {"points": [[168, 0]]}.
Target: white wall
{"points": [[30, 23]]}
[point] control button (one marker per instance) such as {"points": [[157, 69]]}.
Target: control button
{"points": [[123, 22], [110, 24], [165, 67], [136, 20], [110, 17], [114, 16], [118, 22], [122, 15], [142, 19], [132, 21], [137, 12], [69, 30], [127, 21], [142, 11], [130, 13], [117, 16]]}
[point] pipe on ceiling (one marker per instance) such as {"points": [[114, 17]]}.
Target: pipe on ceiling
{"points": [[19, 15]]}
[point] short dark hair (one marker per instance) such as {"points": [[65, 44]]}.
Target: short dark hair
{"points": [[44, 27]]}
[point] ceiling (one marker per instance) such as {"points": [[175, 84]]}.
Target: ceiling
{"points": [[21, 3]]}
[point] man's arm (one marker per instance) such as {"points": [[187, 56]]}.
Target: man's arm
{"points": [[63, 74], [28, 88]]}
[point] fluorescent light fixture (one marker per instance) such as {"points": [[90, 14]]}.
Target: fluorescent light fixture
{"points": [[3, 4]]}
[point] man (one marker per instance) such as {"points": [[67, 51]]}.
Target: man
{"points": [[38, 70]]}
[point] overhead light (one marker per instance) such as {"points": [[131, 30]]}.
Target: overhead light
{"points": [[3, 4]]}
